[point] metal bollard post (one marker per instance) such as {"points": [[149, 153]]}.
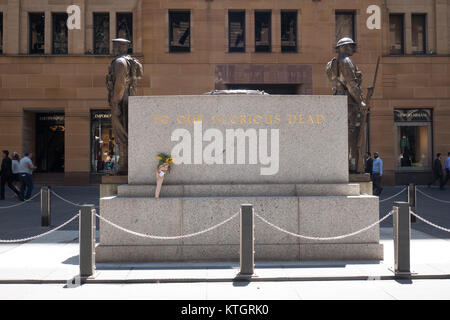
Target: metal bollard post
{"points": [[412, 200], [247, 258], [402, 236], [87, 240], [46, 206]]}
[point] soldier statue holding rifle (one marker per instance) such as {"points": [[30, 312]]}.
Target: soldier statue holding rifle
{"points": [[347, 80], [121, 83]]}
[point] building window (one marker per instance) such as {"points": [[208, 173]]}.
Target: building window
{"points": [[124, 27], [36, 22], [288, 31], [60, 35], [101, 33], [1, 32], [396, 34], [236, 31], [345, 25], [104, 151], [179, 31], [263, 41], [413, 139], [419, 41]]}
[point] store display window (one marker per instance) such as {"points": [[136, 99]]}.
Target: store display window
{"points": [[413, 149], [104, 151]]}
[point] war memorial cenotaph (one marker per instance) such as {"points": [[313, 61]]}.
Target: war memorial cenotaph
{"points": [[288, 156]]}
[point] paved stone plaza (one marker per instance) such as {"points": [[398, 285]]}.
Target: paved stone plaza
{"points": [[53, 260]]}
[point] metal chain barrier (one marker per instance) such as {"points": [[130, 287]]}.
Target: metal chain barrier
{"points": [[68, 201], [428, 222], [394, 195], [22, 203], [166, 238], [41, 235], [433, 198], [327, 238]]}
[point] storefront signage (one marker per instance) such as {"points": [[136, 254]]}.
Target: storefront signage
{"points": [[98, 115], [52, 117], [413, 115]]}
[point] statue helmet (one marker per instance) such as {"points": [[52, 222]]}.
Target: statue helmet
{"points": [[345, 41]]}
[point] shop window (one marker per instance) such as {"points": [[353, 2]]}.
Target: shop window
{"points": [[50, 141], [413, 139], [418, 23], [60, 33], [288, 31], [1, 32], [36, 22], [345, 25], [179, 31], [396, 33], [263, 41], [101, 33], [104, 151], [236, 31], [124, 27]]}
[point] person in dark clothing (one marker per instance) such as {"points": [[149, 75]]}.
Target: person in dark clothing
{"points": [[369, 164], [6, 175], [438, 172]]}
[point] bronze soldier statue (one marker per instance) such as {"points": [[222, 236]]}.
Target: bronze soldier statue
{"points": [[121, 82], [347, 79]]}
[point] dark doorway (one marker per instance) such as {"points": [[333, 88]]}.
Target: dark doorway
{"points": [[268, 88], [50, 142]]}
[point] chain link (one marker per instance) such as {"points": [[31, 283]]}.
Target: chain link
{"points": [[68, 201], [166, 238], [393, 195], [433, 198], [22, 203], [319, 238], [41, 235], [428, 222]]}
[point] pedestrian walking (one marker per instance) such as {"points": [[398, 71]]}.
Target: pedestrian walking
{"points": [[377, 173], [6, 175], [438, 172], [447, 169], [26, 168], [15, 171]]}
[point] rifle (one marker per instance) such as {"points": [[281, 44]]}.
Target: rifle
{"points": [[362, 127]]}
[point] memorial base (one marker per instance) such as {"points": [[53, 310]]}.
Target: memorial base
{"points": [[309, 210]]}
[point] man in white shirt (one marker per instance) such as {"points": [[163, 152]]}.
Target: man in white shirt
{"points": [[26, 168]]}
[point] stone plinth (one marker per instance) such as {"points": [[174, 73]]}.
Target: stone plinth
{"points": [[311, 216]]}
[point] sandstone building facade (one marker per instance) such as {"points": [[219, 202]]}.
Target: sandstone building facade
{"points": [[53, 99]]}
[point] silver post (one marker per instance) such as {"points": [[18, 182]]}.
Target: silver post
{"points": [[402, 236], [247, 258], [45, 206], [412, 200], [87, 240]]}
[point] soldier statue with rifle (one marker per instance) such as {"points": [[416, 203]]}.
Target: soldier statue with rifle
{"points": [[347, 80], [121, 83]]}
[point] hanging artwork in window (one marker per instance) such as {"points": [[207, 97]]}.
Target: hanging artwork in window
{"points": [[36, 22], [101, 33], [60, 33]]}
